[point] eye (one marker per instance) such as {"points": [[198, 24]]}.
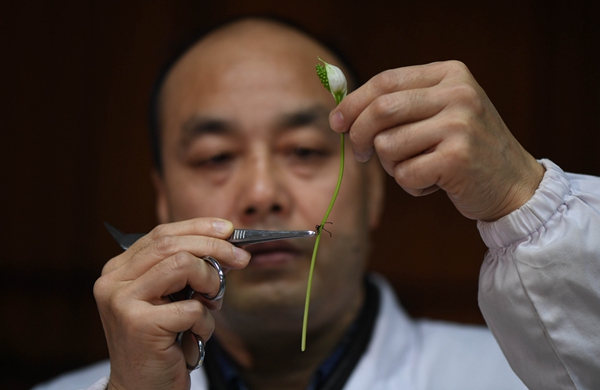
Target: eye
{"points": [[220, 158], [214, 161], [308, 153]]}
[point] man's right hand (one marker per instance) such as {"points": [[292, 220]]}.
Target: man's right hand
{"points": [[139, 319]]}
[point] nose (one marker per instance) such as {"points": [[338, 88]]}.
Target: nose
{"points": [[263, 195]]}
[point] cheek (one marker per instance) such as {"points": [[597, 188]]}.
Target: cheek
{"points": [[188, 199], [350, 209], [312, 197], [309, 207]]}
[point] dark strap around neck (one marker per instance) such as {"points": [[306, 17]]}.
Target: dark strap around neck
{"points": [[356, 339]]}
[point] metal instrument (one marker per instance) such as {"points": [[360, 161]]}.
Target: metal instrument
{"points": [[240, 237]]}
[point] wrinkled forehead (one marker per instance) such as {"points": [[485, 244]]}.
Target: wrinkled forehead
{"points": [[248, 74], [246, 47]]}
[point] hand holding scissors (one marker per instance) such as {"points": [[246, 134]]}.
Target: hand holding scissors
{"points": [[194, 356]]}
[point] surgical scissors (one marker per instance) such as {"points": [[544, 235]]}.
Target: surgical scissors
{"points": [[240, 237]]}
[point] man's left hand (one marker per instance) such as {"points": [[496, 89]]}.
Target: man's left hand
{"points": [[433, 127]]}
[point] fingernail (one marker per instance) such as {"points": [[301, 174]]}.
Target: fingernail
{"points": [[337, 121], [222, 226], [240, 254], [364, 156]]}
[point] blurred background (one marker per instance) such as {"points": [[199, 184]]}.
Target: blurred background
{"points": [[76, 76]]}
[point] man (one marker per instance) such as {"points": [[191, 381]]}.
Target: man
{"points": [[245, 141]]}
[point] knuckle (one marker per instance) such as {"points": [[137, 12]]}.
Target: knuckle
{"points": [[457, 66], [166, 245], [205, 324], [107, 268], [101, 289], [384, 106], [159, 231], [193, 308], [381, 143], [210, 324], [180, 262], [355, 136], [113, 263], [385, 80], [457, 124], [400, 176], [468, 96], [458, 153], [464, 92], [117, 306], [386, 144], [213, 246], [181, 310]]}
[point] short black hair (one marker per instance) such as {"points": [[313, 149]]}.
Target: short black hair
{"points": [[154, 120]]}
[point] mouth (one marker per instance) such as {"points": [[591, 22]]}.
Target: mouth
{"points": [[273, 254]]}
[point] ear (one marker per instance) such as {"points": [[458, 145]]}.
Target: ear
{"points": [[375, 191], [162, 204]]}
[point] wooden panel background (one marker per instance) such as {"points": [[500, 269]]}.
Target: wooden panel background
{"points": [[75, 82]]}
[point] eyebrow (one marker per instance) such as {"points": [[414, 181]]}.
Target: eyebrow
{"points": [[200, 125], [304, 117]]}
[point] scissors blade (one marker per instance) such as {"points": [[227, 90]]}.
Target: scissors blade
{"points": [[124, 240], [250, 236]]}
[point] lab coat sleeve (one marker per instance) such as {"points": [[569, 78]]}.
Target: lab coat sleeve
{"points": [[539, 287], [102, 384]]}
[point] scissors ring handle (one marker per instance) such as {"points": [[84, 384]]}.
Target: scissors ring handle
{"points": [[198, 359], [217, 266]]}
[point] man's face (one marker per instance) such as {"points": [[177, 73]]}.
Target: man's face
{"points": [[245, 137]]}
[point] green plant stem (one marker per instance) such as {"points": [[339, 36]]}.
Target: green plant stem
{"points": [[318, 240]]}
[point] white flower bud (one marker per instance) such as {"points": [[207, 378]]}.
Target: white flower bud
{"points": [[333, 80]]}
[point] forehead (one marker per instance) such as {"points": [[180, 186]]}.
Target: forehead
{"points": [[243, 64]]}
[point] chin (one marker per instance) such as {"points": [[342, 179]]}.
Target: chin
{"points": [[267, 289]]}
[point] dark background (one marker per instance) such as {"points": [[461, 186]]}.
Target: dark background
{"points": [[75, 82]]}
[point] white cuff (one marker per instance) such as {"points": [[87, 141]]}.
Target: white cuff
{"points": [[102, 384], [530, 217]]}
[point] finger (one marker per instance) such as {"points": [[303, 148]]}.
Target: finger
{"points": [[173, 275], [404, 142], [391, 110], [451, 166], [146, 322], [228, 254], [390, 81], [418, 176], [212, 227], [209, 227], [184, 315]]}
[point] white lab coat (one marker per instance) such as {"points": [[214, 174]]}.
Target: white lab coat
{"points": [[539, 292], [539, 287], [403, 354]]}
